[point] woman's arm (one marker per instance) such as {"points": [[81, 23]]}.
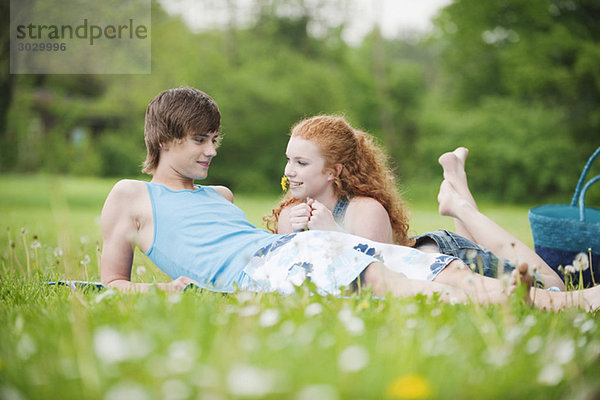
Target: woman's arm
{"points": [[366, 217]]}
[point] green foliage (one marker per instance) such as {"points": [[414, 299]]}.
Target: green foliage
{"points": [[515, 80], [510, 148], [120, 152]]}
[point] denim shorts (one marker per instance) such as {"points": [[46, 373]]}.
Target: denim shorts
{"points": [[478, 258]]}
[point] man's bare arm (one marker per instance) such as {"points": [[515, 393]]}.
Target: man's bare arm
{"points": [[120, 232]]}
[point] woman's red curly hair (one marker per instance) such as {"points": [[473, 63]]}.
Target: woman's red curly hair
{"points": [[365, 170]]}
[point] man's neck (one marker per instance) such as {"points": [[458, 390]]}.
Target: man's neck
{"points": [[173, 182]]}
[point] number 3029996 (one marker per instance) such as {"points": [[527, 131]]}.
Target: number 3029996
{"points": [[36, 47]]}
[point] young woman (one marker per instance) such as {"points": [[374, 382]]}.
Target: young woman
{"points": [[339, 179], [346, 179]]}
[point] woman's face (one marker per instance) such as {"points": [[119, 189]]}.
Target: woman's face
{"points": [[305, 169]]}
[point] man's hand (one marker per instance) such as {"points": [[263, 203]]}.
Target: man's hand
{"points": [[176, 285], [179, 284]]}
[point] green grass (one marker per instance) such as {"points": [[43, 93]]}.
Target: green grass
{"points": [[61, 344]]}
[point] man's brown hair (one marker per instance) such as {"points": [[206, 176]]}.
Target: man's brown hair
{"points": [[174, 114]]}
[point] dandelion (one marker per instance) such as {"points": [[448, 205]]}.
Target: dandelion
{"points": [[182, 356], [84, 240], [140, 270], [26, 347], [436, 312], [86, 260], [569, 270], [321, 392], [564, 351], [284, 183], [269, 318], [326, 340], [581, 262], [353, 359], [591, 266], [534, 345], [411, 309], [206, 376], [10, 393], [471, 254], [58, 252], [175, 389], [411, 323], [529, 321], [111, 346], [498, 355], [411, 386], [550, 375], [249, 342], [127, 391], [250, 381], [313, 309], [36, 244], [104, 295], [353, 324], [587, 326], [249, 311], [24, 238], [244, 296]]}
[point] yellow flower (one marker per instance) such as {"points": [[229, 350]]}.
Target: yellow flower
{"points": [[411, 386], [284, 183]]}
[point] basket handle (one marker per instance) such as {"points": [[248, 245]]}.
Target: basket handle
{"points": [[582, 177], [585, 189]]}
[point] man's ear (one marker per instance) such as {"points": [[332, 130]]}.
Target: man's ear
{"points": [[163, 146]]}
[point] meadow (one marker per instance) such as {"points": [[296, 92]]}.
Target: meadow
{"points": [[58, 343]]}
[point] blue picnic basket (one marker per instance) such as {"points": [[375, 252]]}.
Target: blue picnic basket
{"points": [[562, 231]]}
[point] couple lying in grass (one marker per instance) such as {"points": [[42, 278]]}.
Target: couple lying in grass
{"points": [[341, 224]]}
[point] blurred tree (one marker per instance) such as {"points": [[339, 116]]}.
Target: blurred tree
{"points": [[7, 83], [536, 51], [530, 69]]}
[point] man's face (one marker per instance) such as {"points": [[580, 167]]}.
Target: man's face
{"points": [[191, 157]]}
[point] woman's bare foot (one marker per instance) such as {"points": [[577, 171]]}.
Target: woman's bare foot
{"points": [[521, 277], [451, 202], [453, 164]]}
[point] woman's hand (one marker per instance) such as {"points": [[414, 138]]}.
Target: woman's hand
{"points": [[321, 217], [299, 217]]}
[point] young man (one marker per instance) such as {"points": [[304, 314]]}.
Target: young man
{"points": [[196, 235]]}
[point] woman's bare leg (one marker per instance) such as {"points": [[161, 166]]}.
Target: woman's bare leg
{"points": [[588, 299], [453, 164], [384, 281], [487, 233], [459, 284]]}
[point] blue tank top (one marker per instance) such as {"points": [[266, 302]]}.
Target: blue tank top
{"points": [[201, 235]]}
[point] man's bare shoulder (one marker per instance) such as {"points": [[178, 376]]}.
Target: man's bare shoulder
{"points": [[129, 187], [126, 193], [224, 191]]}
